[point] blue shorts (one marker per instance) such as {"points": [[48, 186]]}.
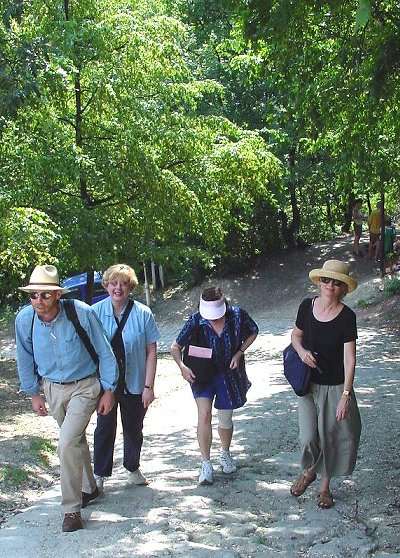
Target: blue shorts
{"points": [[217, 388]]}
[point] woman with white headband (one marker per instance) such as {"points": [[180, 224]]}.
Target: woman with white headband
{"points": [[219, 335]]}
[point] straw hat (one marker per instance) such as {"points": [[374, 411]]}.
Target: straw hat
{"points": [[44, 278], [334, 269], [212, 309]]}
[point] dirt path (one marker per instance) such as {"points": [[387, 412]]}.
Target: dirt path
{"points": [[251, 513]]}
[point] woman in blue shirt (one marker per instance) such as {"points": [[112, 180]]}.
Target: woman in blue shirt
{"points": [[133, 332], [225, 332]]}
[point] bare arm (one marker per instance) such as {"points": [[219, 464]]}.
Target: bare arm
{"points": [[151, 366], [349, 369], [245, 345], [176, 353], [297, 341]]}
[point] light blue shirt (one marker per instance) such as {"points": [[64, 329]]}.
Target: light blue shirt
{"points": [[58, 351], [140, 330]]}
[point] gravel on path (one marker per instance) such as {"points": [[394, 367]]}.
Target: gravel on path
{"points": [[250, 513]]}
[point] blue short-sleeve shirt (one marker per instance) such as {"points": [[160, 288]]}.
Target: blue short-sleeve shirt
{"points": [[238, 327], [140, 330]]}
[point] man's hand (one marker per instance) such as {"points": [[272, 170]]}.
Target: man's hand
{"points": [[39, 405], [106, 403]]}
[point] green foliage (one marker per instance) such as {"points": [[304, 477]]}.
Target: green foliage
{"points": [[29, 237], [391, 286], [41, 449], [201, 134], [125, 147], [363, 13], [7, 315], [14, 476], [362, 303], [320, 81]]}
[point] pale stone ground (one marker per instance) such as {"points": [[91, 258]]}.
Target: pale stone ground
{"points": [[251, 513]]}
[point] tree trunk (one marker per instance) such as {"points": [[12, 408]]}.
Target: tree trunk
{"points": [[294, 226], [348, 216], [369, 203], [382, 241], [329, 215]]}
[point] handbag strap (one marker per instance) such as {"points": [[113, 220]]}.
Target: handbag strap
{"points": [[198, 337], [125, 316], [310, 316]]}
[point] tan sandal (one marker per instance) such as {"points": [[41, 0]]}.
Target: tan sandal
{"points": [[325, 500], [302, 483]]}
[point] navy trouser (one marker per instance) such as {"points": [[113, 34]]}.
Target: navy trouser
{"points": [[132, 415]]}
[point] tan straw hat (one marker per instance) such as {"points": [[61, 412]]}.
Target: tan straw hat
{"points": [[44, 278], [334, 269]]}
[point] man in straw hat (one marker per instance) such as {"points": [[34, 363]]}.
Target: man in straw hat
{"points": [[50, 353]]}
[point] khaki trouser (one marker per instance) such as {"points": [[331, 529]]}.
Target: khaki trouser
{"points": [[328, 447], [72, 405]]}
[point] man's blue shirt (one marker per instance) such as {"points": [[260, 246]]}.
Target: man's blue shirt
{"points": [[58, 351]]}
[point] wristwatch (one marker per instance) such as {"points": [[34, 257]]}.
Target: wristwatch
{"points": [[149, 387], [346, 393]]}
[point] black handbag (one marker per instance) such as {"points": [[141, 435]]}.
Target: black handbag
{"points": [[202, 367]]}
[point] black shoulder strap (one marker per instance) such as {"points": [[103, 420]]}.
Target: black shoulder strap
{"points": [[310, 316], [70, 310], [124, 318], [33, 352]]}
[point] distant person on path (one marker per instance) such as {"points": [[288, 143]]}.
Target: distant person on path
{"points": [[374, 226], [358, 219], [329, 421], [390, 236], [52, 355], [388, 244], [131, 327], [221, 333]]}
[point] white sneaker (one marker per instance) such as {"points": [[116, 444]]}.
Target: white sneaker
{"points": [[136, 477], [227, 463], [206, 473], [100, 483]]}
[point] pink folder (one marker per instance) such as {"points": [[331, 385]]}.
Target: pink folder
{"points": [[201, 352]]}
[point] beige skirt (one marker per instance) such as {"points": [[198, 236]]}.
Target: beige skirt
{"points": [[328, 447]]}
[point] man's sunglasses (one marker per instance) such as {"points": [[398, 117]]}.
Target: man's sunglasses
{"points": [[43, 295], [335, 282]]}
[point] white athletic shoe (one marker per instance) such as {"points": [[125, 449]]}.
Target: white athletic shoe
{"points": [[206, 473], [227, 463], [100, 483], [137, 477]]}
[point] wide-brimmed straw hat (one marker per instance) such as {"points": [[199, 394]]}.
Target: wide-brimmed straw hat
{"points": [[212, 309], [44, 278], [334, 269]]}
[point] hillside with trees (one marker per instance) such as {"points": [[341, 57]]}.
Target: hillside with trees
{"points": [[197, 134]]}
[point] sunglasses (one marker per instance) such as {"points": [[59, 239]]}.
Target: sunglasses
{"points": [[44, 296], [335, 282]]}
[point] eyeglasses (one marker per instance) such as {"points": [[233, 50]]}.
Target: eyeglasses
{"points": [[43, 295], [335, 282]]}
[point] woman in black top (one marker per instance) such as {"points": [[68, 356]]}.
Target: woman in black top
{"points": [[325, 339]]}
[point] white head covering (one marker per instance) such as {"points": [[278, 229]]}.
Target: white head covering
{"points": [[212, 309]]}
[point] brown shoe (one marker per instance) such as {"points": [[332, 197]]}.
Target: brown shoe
{"points": [[72, 522], [88, 497], [325, 500], [302, 483]]}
